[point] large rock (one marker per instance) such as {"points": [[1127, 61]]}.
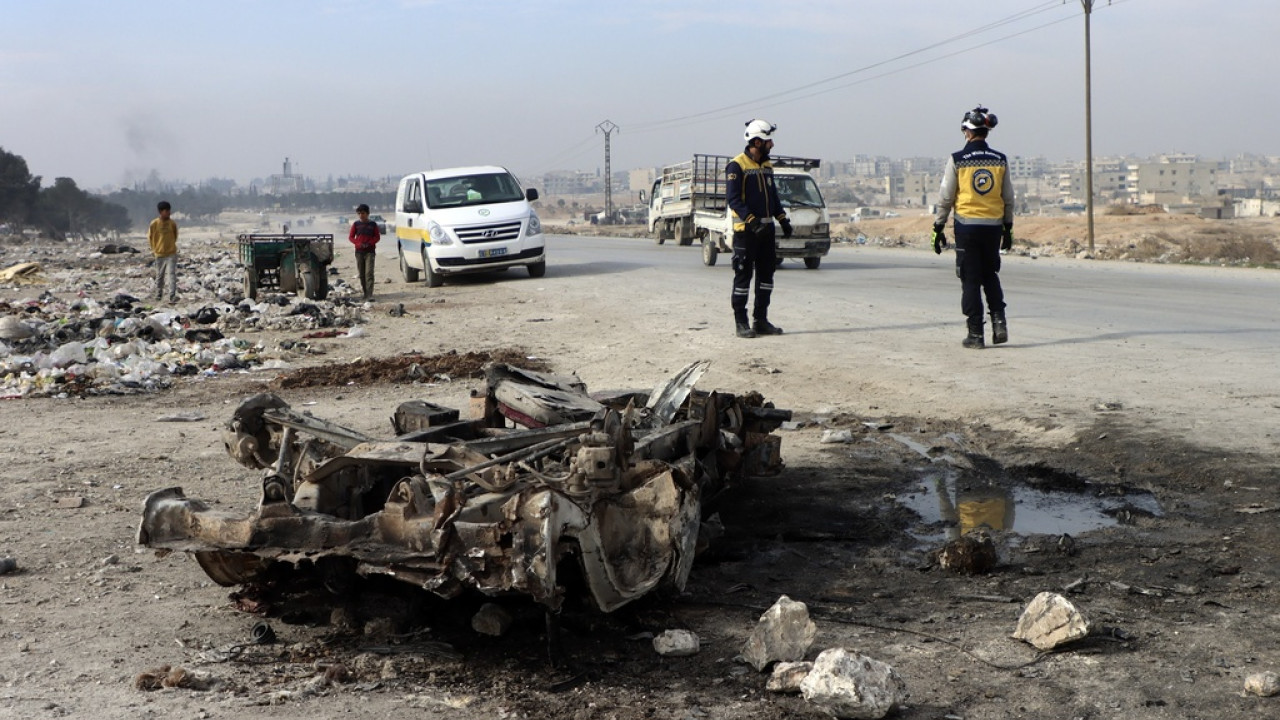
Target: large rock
{"points": [[784, 632], [1051, 620], [848, 684], [1263, 684]]}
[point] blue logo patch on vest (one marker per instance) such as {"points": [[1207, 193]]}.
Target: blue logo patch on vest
{"points": [[983, 181]]}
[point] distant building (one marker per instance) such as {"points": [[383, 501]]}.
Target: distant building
{"points": [[1174, 175]]}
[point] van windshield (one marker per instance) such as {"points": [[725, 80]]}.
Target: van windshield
{"points": [[482, 189], [798, 191]]}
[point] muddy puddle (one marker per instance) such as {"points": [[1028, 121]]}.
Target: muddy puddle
{"points": [[951, 503]]}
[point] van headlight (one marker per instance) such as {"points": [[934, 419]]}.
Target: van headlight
{"points": [[535, 225], [438, 235], [822, 229]]}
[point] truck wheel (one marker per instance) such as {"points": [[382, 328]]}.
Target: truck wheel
{"points": [[812, 262], [431, 277], [251, 283], [684, 233], [709, 251], [315, 282], [410, 274], [538, 269], [658, 229]]}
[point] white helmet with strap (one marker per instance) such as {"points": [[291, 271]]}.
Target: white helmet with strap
{"points": [[762, 129]]}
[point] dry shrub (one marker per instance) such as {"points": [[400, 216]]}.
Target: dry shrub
{"points": [[1232, 248]]}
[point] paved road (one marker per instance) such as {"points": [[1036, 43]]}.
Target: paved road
{"points": [[1189, 349]]}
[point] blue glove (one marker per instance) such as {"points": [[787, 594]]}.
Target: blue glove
{"points": [[1006, 242], [786, 227], [939, 238], [753, 225]]}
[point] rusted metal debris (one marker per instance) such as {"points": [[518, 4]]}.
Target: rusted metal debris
{"points": [[547, 480]]}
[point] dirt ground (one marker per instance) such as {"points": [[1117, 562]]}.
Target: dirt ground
{"points": [[1171, 548]]}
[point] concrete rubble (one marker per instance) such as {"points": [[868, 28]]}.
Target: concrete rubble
{"points": [[1263, 684], [783, 633], [847, 684], [92, 334], [787, 676], [1049, 621], [676, 643]]}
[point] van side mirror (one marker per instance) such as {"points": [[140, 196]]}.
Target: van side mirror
{"points": [[641, 196], [413, 206], [531, 194]]}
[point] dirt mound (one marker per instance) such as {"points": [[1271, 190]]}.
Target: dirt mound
{"points": [[407, 368]]}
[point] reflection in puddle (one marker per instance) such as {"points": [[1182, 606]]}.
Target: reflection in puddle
{"points": [[950, 507]]}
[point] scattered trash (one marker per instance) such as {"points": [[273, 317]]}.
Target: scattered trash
{"points": [[182, 417], [831, 436], [167, 676], [263, 634], [8, 565], [20, 271]]}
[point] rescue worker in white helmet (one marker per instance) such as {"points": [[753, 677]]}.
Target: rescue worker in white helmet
{"points": [[753, 198], [977, 186]]}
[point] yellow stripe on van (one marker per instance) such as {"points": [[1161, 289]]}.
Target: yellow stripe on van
{"points": [[408, 233]]}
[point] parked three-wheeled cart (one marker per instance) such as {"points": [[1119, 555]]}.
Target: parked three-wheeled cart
{"points": [[286, 263]]}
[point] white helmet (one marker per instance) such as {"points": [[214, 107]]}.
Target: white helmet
{"points": [[762, 129]]}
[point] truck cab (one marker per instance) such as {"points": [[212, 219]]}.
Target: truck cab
{"points": [[466, 220], [687, 202]]}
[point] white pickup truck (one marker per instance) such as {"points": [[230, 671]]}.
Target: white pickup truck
{"points": [[688, 202]]}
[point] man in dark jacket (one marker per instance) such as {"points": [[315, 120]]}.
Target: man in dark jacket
{"points": [[365, 236], [753, 198], [976, 184]]}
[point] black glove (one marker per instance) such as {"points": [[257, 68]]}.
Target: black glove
{"points": [[786, 227], [753, 225], [1007, 241], [939, 238]]}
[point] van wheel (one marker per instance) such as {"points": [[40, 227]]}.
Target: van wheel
{"points": [[410, 274], [710, 250], [812, 262], [431, 277], [538, 269]]}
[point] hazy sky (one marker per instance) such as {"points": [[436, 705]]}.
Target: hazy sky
{"points": [[105, 92]]}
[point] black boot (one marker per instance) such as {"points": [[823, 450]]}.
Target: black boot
{"points": [[744, 327], [999, 330], [764, 327], [974, 340]]}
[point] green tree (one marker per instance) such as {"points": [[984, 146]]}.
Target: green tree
{"points": [[19, 190], [65, 210]]}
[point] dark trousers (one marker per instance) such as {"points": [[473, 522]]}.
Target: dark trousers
{"points": [[753, 255], [978, 266], [364, 266]]}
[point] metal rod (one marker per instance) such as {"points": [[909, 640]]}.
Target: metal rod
{"points": [[1088, 123]]}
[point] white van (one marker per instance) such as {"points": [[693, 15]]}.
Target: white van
{"points": [[466, 220]]}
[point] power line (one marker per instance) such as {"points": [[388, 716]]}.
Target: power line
{"points": [[789, 96]]}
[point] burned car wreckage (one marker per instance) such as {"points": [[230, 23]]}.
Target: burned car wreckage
{"points": [[547, 480]]}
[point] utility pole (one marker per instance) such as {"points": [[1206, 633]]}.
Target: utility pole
{"points": [[1088, 124], [607, 127]]}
